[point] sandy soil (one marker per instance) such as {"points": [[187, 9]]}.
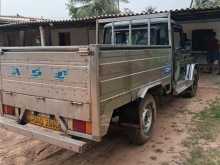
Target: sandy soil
{"points": [[164, 148]]}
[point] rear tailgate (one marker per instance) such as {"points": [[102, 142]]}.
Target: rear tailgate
{"points": [[53, 81]]}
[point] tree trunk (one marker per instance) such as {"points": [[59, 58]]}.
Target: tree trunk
{"points": [[191, 4]]}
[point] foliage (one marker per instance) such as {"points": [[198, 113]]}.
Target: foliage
{"points": [[83, 8], [149, 9], [128, 11], [205, 3]]}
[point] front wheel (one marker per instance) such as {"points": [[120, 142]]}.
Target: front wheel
{"points": [[147, 116]]}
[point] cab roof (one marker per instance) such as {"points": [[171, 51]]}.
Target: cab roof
{"points": [[138, 22]]}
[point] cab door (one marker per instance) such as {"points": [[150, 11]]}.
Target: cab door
{"points": [[181, 61]]}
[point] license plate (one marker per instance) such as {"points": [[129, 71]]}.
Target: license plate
{"points": [[44, 121]]}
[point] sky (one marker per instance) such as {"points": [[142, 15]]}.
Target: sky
{"points": [[56, 9]]}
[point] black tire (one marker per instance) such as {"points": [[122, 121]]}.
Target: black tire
{"points": [[147, 116], [192, 91]]}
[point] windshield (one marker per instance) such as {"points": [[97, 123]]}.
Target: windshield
{"points": [[139, 34]]}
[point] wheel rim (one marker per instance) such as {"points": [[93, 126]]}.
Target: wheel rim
{"points": [[147, 119]]}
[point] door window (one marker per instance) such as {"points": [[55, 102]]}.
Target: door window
{"points": [[159, 34], [108, 36], [178, 39], [139, 34], [122, 37]]}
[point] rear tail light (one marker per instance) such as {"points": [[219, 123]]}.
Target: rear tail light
{"points": [[88, 128], [8, 110], [82, 127]]}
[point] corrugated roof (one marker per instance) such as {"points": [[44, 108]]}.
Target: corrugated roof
{"points": [[189, 13], [18, 19]]}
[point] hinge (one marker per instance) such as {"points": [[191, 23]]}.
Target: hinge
{"points": [[85, 52], [91, 53]]}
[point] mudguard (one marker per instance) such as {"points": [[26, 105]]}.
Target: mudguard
{"points": [[143, 91]]}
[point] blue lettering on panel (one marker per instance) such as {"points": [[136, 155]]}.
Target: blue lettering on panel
{"points": [[61, 74], [167, 70], [15, 71], [36, 73]]}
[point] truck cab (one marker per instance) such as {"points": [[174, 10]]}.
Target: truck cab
{"points": [[163, 33]]}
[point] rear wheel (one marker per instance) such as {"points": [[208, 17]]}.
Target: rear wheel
{"points": [[147, 116]]}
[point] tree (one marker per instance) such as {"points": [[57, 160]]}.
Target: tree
{"points": [[191, 3], [83, 8], [204, 3], [127, 11], [149, 9]]}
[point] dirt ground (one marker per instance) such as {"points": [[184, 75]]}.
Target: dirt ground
{"points": [[165, 147]]}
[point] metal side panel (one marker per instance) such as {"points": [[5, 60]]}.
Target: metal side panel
{"points": [[43, 135], [122, 71], [125, 71]]}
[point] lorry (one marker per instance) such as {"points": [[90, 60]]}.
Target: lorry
{"points": [[67, 96]]}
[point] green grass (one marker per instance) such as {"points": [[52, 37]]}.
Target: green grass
{"points": [[200, 157], [208, 122], [206, 129]]}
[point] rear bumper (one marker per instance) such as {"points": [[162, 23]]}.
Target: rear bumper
{"points": [[45, 135]]}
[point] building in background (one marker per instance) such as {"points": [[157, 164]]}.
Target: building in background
{"points": [[10, 38], [49, 33], [6, 19], [197, 24]]}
